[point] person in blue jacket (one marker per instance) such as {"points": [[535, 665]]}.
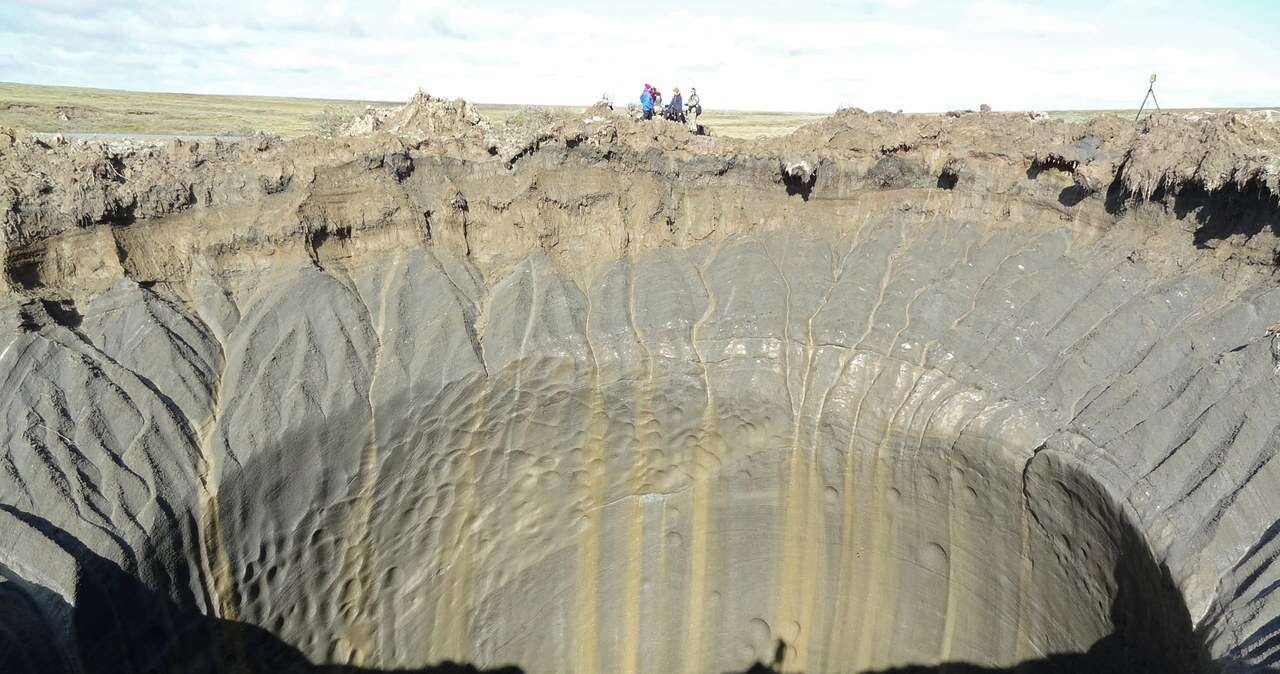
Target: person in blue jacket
{"points": [[646, 102]]}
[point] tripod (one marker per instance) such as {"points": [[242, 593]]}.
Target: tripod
{"points": [[1151, 94]]}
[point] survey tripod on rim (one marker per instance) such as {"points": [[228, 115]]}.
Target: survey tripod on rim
{"points": [[1151, 94]]}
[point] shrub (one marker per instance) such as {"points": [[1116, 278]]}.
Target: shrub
{"points": [[533, 118], [331, 121]]}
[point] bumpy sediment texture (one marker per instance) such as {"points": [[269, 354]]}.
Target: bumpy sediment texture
{"points": [[892, 390]]}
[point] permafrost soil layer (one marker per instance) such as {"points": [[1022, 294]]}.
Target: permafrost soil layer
{"points": [[889, 391]]}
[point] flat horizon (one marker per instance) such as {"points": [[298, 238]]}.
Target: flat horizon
{"points": [[586, 105]]}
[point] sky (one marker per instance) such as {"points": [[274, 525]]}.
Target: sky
{"points": [[817, 55]]}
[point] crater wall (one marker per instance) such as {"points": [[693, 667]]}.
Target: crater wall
{"points": [[627, 400]]}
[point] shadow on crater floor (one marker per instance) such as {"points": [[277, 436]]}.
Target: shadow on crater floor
{"points": [[1153, 633], [121, 625]]}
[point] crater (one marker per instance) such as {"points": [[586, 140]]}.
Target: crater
{"points": [[633, 408]]}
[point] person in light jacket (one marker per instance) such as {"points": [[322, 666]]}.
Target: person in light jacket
{"points": [[693, 108]]}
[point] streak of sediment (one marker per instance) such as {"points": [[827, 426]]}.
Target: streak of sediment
{"points": [[587, 599], [356, 572], [216, 576], [646, 424], [706, 448]]}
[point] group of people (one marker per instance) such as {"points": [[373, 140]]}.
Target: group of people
{"points": [[678, 110]]}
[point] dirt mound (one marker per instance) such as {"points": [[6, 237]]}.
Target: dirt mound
{"points": [[372, 119], [48, 187], [525, 130], [1162, 155], [1213, 152], [454, 126], [1201, 166], [454, 123]]}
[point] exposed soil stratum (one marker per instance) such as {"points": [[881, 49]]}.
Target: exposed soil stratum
{"points": [[910, 393]]}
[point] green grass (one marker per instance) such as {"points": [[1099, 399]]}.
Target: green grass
{"points": [[75, 109], [81, 110], [740, 124], [1132, 113], [501, 112]]}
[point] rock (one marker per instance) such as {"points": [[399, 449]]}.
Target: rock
{"points": [[458, 202], [798, 169], [261, 141], [984, 108], [895, 172]]}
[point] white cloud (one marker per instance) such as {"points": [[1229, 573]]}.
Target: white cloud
{"points": [[1009, 17], [880, 54]]}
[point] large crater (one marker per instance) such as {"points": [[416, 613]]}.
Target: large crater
{"points": [[636, 401]]}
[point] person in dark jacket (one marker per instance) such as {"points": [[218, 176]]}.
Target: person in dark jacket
{"points": [[675, 111]]}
